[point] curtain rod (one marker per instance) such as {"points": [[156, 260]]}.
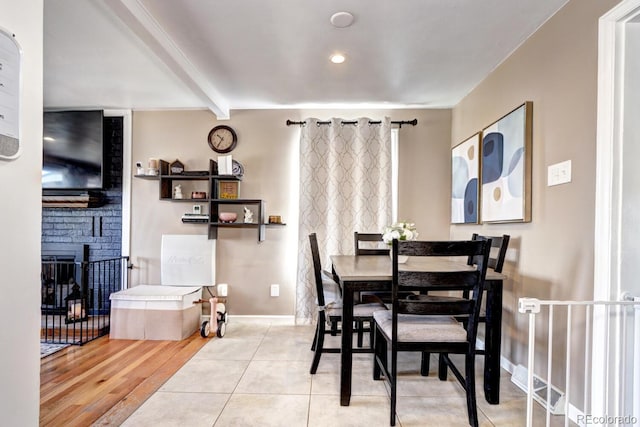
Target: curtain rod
{"points": [[355, 122]]}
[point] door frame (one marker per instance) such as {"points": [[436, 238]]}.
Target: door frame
{"points": [[126, 176], [606, 368]]}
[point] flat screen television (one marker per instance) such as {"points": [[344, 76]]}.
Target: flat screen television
{"points": [[73, 152]]}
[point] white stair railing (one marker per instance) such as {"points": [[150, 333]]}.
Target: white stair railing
{"points": [[541, 388]]}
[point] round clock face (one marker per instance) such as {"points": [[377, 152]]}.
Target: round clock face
{"points": [[222, 139]]}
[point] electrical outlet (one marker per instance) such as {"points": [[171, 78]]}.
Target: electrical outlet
{"points": [[223, 288], [275, 290]]}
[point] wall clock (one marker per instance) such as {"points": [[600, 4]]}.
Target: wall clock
{"points": [[222, 139]]}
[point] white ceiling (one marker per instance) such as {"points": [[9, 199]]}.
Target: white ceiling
{"points": [[222, 55]]}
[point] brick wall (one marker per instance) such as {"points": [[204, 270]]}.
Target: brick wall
{"points": [[100, 228]]}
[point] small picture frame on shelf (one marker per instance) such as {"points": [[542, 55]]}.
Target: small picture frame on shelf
{"points": [[228, 190]]}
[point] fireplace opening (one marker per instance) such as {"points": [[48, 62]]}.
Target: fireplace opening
{"points": [[58, 280], [61, 276]]}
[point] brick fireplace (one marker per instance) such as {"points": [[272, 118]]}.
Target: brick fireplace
{"points": [[75, 295], [98, 227]]}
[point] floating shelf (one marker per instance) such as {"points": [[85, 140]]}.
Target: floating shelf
{"points": [[150, 177], [166, 188]]}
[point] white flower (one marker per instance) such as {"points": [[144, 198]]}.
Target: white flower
{"points": [[400, 231]]}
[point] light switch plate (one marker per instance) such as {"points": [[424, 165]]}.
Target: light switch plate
{"points": [[559, 173], [275, 290], [223, 289]]}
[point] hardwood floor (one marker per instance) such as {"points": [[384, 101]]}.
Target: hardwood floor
{"points": [[104, 381]]}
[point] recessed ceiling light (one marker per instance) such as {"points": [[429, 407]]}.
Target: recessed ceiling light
{"points": [[337, 58], [341, 19]]}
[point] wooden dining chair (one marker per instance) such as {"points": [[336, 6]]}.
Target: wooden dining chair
{"points": [[497, 253], [426, 323], [499, 246], [371, 239], [370, 246], [384, 297], [329, 301]]}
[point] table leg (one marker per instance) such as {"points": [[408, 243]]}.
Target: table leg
{"points": [[347, 345], [493, 335]]}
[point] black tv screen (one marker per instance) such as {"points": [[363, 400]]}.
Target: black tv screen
{"points": [[73, 154]]}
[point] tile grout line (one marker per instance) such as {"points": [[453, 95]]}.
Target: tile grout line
{"points": [[241, 376]]}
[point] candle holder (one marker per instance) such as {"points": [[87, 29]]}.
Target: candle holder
{"points": [[153, 167]]}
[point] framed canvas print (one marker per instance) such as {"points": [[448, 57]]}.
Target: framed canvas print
{"points": [[465, 165], [228, 189], [506, 167]]}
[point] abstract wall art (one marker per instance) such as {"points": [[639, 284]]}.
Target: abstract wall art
{"points": [[506, 167], [465, 164]]}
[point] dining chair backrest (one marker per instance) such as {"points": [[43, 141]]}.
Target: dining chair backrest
{"points": [[317, 268], [440, 275], [368, 238], [499, 245]]}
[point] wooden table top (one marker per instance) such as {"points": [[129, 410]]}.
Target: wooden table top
{"points": [[378, 268]]}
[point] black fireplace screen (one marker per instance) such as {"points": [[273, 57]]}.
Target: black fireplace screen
{"points": [[75, 305], [58, 281]]}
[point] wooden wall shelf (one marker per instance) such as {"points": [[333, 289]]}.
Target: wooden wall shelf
{"points": [[215, 203]]}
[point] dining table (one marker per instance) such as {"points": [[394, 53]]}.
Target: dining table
{"points": [[358, 273]]}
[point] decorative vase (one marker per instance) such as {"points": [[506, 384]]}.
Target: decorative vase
{"points": [[401, 258]]}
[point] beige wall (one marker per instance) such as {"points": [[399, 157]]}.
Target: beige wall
{"points": [[424, 179], [20, 215], [268, 150], [551, 257]]}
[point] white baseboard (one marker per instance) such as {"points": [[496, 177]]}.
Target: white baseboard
{"points": [[275, 320], [541, 387], [574, 412], [505, 363]]}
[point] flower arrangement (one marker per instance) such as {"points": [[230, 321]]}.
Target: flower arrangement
{"points": [[399, 230]]}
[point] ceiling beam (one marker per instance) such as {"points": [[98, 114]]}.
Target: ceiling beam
{"points": [[144, 25]]}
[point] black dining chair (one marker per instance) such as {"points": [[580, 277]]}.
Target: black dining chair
{"points": [[499, 246], [497, 253], [370, 246], [371, 238], [427, 323], [329, 301]]}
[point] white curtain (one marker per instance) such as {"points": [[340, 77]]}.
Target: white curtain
{"points": [[345, 186]]}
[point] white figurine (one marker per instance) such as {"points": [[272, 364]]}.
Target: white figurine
{"points": [[248, 215], [177, 192]]}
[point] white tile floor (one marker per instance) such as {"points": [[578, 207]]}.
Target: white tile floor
{"points": [[258, 375]]}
